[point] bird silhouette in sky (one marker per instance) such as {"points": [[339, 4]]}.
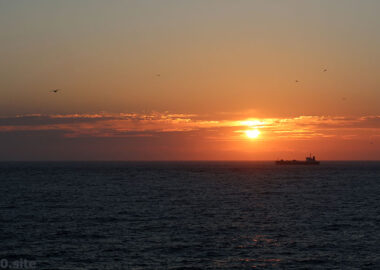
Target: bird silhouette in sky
{"points": [[55, 90], [297, 81], [158, 75], [325, 70]]}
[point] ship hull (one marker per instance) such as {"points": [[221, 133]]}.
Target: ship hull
{"points": [[296, 162]]}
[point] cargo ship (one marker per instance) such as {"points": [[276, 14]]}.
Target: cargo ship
{"points": [[308, 161]]}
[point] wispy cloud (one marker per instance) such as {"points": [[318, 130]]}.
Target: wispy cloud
{"points": [[152, 124]]}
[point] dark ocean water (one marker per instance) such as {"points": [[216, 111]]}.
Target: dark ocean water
{"points": [[190, 215]]}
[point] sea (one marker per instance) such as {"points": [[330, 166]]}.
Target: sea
{"points": [[189, 215]]}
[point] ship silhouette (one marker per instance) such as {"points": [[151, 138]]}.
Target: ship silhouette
{"points": [[310, 160]]}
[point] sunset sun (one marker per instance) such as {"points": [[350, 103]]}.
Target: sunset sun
{"points": [[252, 134]]}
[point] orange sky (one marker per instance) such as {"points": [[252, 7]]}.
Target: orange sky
{"points": [[166, 136], [224, 67]]}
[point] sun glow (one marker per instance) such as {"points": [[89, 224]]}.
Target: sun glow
{"points": [[252, 133]]}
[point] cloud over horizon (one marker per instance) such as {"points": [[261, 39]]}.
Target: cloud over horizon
{"points": [[135, 124], [163, 136]]}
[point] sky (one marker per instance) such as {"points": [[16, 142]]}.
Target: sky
{"points": [[189, 80]]}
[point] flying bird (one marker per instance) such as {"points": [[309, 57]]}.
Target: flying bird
{"points": [[158, 75], [325, 70], [297, 81], [55, 90]]}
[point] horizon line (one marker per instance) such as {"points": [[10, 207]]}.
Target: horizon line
{"points": [[189, 160]]}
